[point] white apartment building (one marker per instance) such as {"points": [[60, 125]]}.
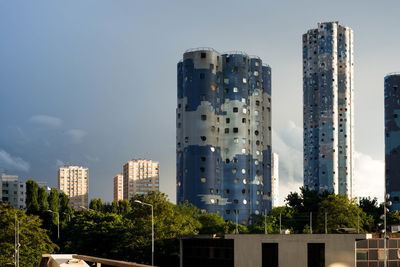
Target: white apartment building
{"points": [[119, 187], [74, 182], [140, 177]]}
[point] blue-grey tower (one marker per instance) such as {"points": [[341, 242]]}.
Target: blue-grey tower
{"points": [[224, 133], [392, 138], [328, 108]]}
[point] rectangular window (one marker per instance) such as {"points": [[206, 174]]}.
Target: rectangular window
{"points": [[235, 89], [203, 117], [203, 55], [226, 80], [316, 254], [244, 111], [235, 130], [244, 80], [235, 109], [270, 255]]}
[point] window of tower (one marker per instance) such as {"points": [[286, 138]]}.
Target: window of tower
{"points": [[256, 93], [203, 180], [257, 102], [236, 180], [227, 120], [203, 138], [227, 191], [236, 140], [256, 112], [256, 132], [235, 89], [226, 80], [244, 80], [212, 87], [202, 169], [203, 117], [243, 150], [235, 130], [226, 130], [235, 109], [235, 201], [203, 55], [234, 170], [235, 69]]}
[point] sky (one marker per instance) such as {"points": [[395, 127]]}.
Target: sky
{"points": [[93, 82]]}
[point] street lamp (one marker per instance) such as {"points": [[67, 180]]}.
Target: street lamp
{"points": [[58, 222], [386, 204], [152, 228]]}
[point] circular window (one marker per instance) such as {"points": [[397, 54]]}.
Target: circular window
{"points": [[234, 170], [203, 180], [256, 162], [256, 212], [243, 171], [244, 201], [212, 201], [244, 181], [212, 149], [179, 183], [256, 132], [203, 138], [236, 180]]}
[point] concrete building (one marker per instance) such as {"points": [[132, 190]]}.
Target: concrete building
{"points": [[13, 191], [223, 122], [74, 182], [140, 177], [328, 108], [118, 187], [392, 138], [275, 180], [273, 250]]}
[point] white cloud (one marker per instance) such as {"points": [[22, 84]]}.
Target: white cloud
{"points": [[46, 120], [368, 176], [13, 163], [76, 135], [287, 143]]}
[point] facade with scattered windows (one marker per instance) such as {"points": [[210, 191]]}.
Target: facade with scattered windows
{"points": [[328, 108], [275, 180], [392, 138], [74, 182], [223, 140], [140, 176]]}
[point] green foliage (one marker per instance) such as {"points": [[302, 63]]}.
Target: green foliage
{"points": [[211, 223], [42, 200], [124, 207], [32, 206], [34, 240], [114, 206], [343, 213], [53, 205], [96, 204]]}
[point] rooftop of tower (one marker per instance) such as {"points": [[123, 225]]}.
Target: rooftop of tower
{"points": [[393, 74]]}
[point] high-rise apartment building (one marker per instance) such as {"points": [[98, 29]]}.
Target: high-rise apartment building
{"points": [[13, 191], [140, 177], [118, 187], [328, 108], [392, 138], [275, 180], [74, 182], [223, 145]]}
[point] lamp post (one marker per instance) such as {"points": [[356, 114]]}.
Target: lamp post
{"points": [[152, 228], [387, 204], [16, 242], [58, 222]]}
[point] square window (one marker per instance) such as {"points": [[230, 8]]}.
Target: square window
{"points": [[235, 89], [226, 80], [235, 130], [244, 80], [244, 111], [203, 55], [235, 109], [227, 120], [203, 117]]}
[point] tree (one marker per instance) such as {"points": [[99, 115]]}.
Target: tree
{"points": [[114, 206], [96, 204], [42, 200], [123, 207], [341, 213], [33, 239], [211, 223], [32, 206], [53, 206]]}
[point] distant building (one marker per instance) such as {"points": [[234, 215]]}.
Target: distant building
{"points": [[275, 180], [74, 182], [45, 185], [13, 191], [328, 75], [119, 187], [140, 177], [392, 138]]}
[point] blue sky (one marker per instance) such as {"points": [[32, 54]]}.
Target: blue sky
{"points": [[93, 82]]}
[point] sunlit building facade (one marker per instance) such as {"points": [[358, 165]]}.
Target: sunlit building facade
{"points": [[140, 176], [118, 182], [74, 182], [328, 75], [223, 144]]}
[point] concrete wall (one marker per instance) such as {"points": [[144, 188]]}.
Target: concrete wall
{"points": [[339, 249]]}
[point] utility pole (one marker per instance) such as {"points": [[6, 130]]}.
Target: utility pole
{"points": [[265, 222]]}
